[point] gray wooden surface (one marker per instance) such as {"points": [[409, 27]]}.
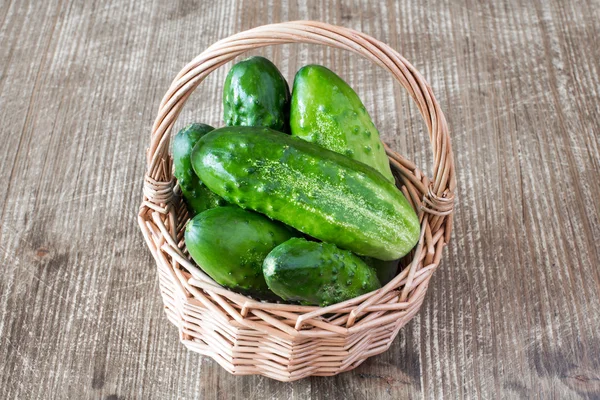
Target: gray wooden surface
{"points": [[514, 311]]}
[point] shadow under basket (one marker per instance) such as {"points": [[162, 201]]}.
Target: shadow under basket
{"points": [[282, 341]]}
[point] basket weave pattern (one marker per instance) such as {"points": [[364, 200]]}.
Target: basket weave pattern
{"points": [[282, 341]]}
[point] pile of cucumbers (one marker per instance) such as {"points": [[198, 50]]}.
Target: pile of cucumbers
{"points": [[294, 199]]}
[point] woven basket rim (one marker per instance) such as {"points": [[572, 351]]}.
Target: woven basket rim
{"points": [[185, 287]]}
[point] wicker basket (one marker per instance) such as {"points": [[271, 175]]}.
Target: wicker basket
{"points": [[282, 341]]}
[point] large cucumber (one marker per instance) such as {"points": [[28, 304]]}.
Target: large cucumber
{"points": [[256, 94], [197, 197], [317, 191], [326, 111], [230, 244], [317, 273]]}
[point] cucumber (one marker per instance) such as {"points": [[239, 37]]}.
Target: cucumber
{"points": [[230, 244], [386, 270], [256, 94], [196, 196], [326, 111], [315, 273], [317, 191]]}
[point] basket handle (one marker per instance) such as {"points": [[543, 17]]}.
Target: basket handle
{"points": [[440, 196]]}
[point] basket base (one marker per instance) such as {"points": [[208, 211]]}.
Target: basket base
{"points": [[241, 351]]}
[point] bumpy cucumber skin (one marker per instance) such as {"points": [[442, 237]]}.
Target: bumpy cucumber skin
{"points": [[317, 191], [230, 244], [256, 94], [326, 111], [386, 270], [314, 273], [197, 197]]}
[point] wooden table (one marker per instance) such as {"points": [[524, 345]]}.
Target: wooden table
{"points": [[514, 311]]}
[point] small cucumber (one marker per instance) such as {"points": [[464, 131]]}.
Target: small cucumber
{"points": [[317, 191], [315, 273], [256, 94], [197, 197], [325, 110], [230, 244], [386, 270]]}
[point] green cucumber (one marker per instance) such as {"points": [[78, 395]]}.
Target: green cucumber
{"points": [[317, 191], [230, 244], [314, 273], [386, 270], [196, 196], [256, 94], [325, 110]]}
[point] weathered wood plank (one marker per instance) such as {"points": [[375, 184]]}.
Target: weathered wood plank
{"points": [[514, 312]]}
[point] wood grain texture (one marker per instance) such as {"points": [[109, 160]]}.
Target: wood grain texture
{"points": [[514, 311]]}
